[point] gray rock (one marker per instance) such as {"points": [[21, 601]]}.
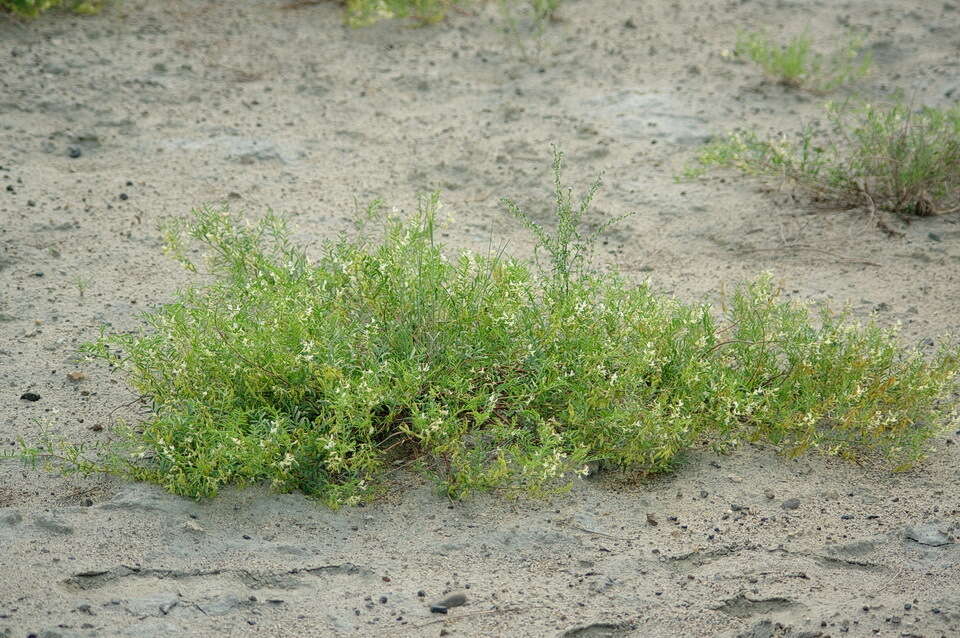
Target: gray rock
{"points": [[791, 504], [928, 534]]}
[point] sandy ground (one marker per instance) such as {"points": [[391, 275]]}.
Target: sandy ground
{"points": [[109, 124]]}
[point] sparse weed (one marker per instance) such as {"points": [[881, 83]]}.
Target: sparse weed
{"points": [[365, 12], [523, 19], [480, 370], [33, 8], [882, 157], [81, 283], [797, 65]]}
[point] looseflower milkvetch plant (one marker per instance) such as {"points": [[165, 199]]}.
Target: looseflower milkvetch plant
{"points": [[482, 371]]}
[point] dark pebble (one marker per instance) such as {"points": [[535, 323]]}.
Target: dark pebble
{"points": [[934, 237], [124, 196], [847, 517], [454, 600], [30, 396], [421, 593], [383, 600], [74, 152], [791, 504], [438, 609]]}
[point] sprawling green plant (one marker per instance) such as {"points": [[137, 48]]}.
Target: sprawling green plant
{"points": [[32, 8], [890, 157], [796, 64], [364, 12], [484, 371]]}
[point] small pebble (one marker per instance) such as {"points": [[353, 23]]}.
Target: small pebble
{"points": [[74, 152], [791, 504], [30, 396]]}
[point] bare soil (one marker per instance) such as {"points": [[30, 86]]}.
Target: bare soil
{"points": [[109, 124]]}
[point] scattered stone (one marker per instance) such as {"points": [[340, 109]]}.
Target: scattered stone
{"points": [[652, 520], [454, 600], [73, 152], [769, 494], [928, 534], [76, 376], [30, 396], [791, 504]]}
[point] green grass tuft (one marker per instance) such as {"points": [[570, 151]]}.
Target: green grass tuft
{"points": [[33, 8], [365, 12], [797, 65], [482, 371]]}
